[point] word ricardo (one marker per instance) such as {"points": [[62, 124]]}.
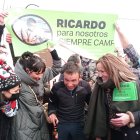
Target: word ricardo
{"points": [[64, 23]]}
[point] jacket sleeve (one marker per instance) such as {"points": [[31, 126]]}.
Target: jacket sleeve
{"points": [[136, 117], [48, 75], [88, 93], [133, 55], [57, 63], [52, 105]]}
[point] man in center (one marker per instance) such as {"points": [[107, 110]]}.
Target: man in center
{"points": [[67, 102]]}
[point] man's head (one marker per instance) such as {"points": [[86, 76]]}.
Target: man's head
{"points": [[31, 22], [75, 58], [71, 75]]}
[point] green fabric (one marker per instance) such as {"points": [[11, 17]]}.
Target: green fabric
{"points": [[124, 106]]}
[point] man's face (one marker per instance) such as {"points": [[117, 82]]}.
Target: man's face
{"points": [[71, 81]]}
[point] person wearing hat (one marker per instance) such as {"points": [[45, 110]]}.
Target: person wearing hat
{"points": [[9, 92]]}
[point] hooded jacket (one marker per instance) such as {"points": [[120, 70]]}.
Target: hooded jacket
{"points": [[30, 122]]}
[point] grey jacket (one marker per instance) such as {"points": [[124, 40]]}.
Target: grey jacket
{"points": [[30, 122]]}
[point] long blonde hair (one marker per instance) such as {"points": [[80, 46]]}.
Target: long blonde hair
{"points": [[117, 70]]}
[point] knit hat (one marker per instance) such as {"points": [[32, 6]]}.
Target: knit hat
{"points": [[8, 79]]}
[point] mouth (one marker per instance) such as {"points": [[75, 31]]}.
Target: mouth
{"points": [[70, 88], [37, 79]]}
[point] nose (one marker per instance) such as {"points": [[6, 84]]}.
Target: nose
{"points": [[99, 74], [69, 84]]}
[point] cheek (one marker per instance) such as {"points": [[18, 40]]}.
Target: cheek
{"points": [[7, 95], [76, 83], [106, 76], [32, 75]]}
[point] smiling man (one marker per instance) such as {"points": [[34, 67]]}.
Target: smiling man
{"points": [[67, 102]]}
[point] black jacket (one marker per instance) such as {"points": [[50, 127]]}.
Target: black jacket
{"points": [[137, 117], [69, 107]]}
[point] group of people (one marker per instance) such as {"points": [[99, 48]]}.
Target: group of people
{"points": [[100, 84]]}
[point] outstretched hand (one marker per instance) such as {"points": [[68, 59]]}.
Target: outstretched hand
{"points": [[50, 45], [117, 27], [8, 38], [2, 16]]}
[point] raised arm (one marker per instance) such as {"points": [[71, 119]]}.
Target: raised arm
{"points": [[128, 48]]}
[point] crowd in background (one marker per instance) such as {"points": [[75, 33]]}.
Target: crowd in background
{"points": [[79, 106]]}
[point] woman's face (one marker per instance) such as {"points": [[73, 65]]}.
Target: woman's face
{"points": [[8, 94], [102, 73], [36, 75]]}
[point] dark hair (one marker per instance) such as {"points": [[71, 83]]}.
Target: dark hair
{"points": [[71, 67], [32, 62], [30, 21], [75, 58]]}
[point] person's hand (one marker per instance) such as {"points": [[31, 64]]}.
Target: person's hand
{"points": [[8, 38], [53, 119], [50, 45], [2, 16], [117, 27], [122, 120], [56, 136]]}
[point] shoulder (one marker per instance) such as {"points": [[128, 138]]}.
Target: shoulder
{"points": [[58, 85], [47, 73], [83, 83]]}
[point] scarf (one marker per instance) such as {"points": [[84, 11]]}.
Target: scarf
{"points": [[97, 122]]}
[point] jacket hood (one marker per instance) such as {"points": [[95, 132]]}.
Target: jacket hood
{"points": [[23, 75]]}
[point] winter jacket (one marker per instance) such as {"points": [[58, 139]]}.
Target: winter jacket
{"points": [[133, 55], [56, 63], [69, 107], [5, 126], [30, 122], [98, 120]]}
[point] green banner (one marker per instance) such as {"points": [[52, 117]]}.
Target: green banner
{"points": [[92, 33], [128, 92]]}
